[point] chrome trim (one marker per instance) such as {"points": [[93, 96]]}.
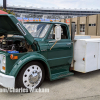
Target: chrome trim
{"points": [[21, 29], [7, 81], [52, 41], [43, 50]]}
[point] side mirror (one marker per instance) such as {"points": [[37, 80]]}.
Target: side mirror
{"points": [[58, 32], [72, 31]]}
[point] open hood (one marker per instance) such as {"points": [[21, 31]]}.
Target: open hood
{"points": [[10, 25]]}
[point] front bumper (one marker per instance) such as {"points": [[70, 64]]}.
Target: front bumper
{"points": [[7, 81]]}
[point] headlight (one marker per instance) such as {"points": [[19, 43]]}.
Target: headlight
{"points": [[3, 65]]}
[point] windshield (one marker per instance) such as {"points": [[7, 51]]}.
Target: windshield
{"points": [[37, 30]]}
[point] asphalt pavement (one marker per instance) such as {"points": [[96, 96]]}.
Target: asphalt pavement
{"points": [[80, 86]]}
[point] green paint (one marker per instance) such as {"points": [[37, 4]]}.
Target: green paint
{"points": [[57, 60]]}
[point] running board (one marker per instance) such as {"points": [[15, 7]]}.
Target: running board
{"points": [[61, 75]]}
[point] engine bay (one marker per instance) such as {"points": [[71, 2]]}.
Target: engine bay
{"points": [[14, 43]]}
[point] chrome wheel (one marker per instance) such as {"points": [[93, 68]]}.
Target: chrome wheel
{"points": [[32, 76]]}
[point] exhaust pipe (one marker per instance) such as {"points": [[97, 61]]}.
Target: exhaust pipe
{"points": [[72, 31]]}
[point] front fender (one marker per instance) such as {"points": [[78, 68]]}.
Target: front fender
{"points": [[25, 59]]}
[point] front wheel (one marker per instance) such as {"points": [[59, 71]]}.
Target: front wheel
{"points": [[31, 76]]}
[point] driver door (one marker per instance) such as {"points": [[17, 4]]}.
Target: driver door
{"points": [[60, 52]]}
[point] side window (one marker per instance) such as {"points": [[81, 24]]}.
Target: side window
{"points": [[52, 34], [63, 33]]}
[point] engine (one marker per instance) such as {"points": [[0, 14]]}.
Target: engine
{"points": [[14, 44]]}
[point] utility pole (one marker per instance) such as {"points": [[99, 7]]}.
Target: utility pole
{"points": [[4, 4]]}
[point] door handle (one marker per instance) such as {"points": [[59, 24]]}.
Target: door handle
{"points": [[68, 44]]}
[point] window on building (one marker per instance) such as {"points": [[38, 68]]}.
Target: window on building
{"points": [[92, 24], [89, 24], [82, 27]]}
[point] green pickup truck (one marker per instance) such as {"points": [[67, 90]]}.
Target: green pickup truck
{"points": [[33, 51]]}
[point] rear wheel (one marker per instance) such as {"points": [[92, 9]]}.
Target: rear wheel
{"points": [[31, 76]]}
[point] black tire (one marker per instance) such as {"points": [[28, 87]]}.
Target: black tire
{"points": [[19, 78]]}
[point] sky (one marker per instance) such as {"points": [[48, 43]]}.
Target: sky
{"points": [[72, 4]]}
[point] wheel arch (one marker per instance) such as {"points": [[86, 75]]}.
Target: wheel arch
{"points": [[18, 67], [47, 73]]}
